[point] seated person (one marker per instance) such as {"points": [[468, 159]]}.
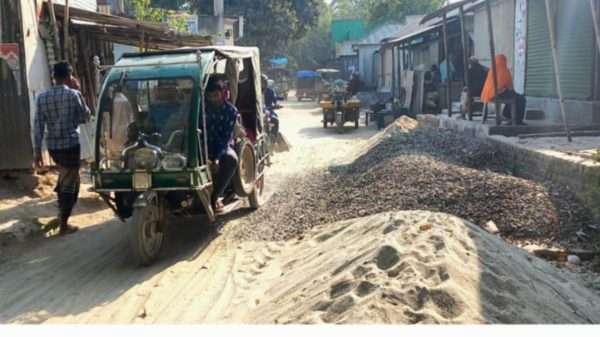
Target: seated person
{"points": [[269, 94], [166, 101], [505, 90], [354, 85], [120, 116], [477, 75], [142, 123], [221, 117], [271, 104]]}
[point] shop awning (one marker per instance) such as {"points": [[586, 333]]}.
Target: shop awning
{"points": [[415, 34], [450, 8], [127, 31]]}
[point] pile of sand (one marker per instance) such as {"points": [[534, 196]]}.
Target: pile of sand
{"points": [[413, 267]]}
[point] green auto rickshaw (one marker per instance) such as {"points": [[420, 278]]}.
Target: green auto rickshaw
{"points": [[151, 140]]}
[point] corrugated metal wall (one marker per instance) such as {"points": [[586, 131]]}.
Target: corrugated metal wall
{"points": [[540, 77], [576, 49], [89, 5], [365, 65], [15, 140]]}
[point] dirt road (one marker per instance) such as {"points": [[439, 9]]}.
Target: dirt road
{"points": [[202, 277]]}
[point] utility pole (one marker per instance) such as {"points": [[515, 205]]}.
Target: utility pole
{"points": [[219, 12], [66, 39]]}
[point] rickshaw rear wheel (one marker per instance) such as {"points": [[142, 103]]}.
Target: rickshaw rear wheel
{"points": [[356, 122], [245, 177], [146, 236]]}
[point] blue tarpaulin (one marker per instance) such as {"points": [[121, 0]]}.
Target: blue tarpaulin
{"points": [[279, 61], [307, 73]]}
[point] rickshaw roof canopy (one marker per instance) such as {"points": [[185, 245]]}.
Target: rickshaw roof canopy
{"points": [[189, 54]]}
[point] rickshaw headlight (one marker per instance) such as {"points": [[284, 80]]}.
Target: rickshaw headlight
{"points": [[173, 162], [145, 158]]}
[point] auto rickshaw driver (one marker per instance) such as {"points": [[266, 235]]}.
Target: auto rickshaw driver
{"points": [[221, 118]]}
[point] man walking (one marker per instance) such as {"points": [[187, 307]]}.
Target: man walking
{"points": [[60, 110]]}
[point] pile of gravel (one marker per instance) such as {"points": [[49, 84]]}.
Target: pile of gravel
{"points": [[421, 169]]}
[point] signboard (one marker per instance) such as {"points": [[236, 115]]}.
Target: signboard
{"points": [[520, 45], [9, 52]]}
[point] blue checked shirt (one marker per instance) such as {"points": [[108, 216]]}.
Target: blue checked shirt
{"points": [[220, 124], [60, 110]]}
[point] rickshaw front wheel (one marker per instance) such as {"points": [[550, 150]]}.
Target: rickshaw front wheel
{"points": [[339, 123], [256, 197], [146, 236]]}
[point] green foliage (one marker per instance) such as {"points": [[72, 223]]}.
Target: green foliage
{"points": [[314, 50], [596, 156], [269, 24], [376, 12], [394, 10], [178, 23], [348, 9], [167, 4], [144, 12]]}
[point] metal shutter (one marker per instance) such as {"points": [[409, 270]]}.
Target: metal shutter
{"points": [[540, 76], [576, 49], [575, 42]]}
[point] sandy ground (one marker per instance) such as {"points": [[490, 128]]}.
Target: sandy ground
{"points": [[87, 277], [406, 267]]}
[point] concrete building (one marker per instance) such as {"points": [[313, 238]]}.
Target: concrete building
{"points": [[503, 12], [347, 59], [366, 48], [27, 52], [233, 27], [30, 76]]}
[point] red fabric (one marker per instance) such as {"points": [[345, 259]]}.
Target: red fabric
{"points": [[504, 78]]}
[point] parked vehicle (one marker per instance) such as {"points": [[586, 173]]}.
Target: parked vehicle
{"points": [[151, 141], [338, 108], [328, 77], [281, 78], [308, 84]]}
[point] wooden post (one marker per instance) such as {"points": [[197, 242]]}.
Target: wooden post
{"points": [[448, 79], [561, 100], [142, 41], [57, 48], [66, 41], [465, 46], [596, 22], [493, 59], [393, 73]]}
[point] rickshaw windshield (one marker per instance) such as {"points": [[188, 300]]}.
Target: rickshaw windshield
{"points": [[155, 110]]}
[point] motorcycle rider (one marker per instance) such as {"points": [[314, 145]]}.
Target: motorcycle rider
{"points": [[270, 103]]}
